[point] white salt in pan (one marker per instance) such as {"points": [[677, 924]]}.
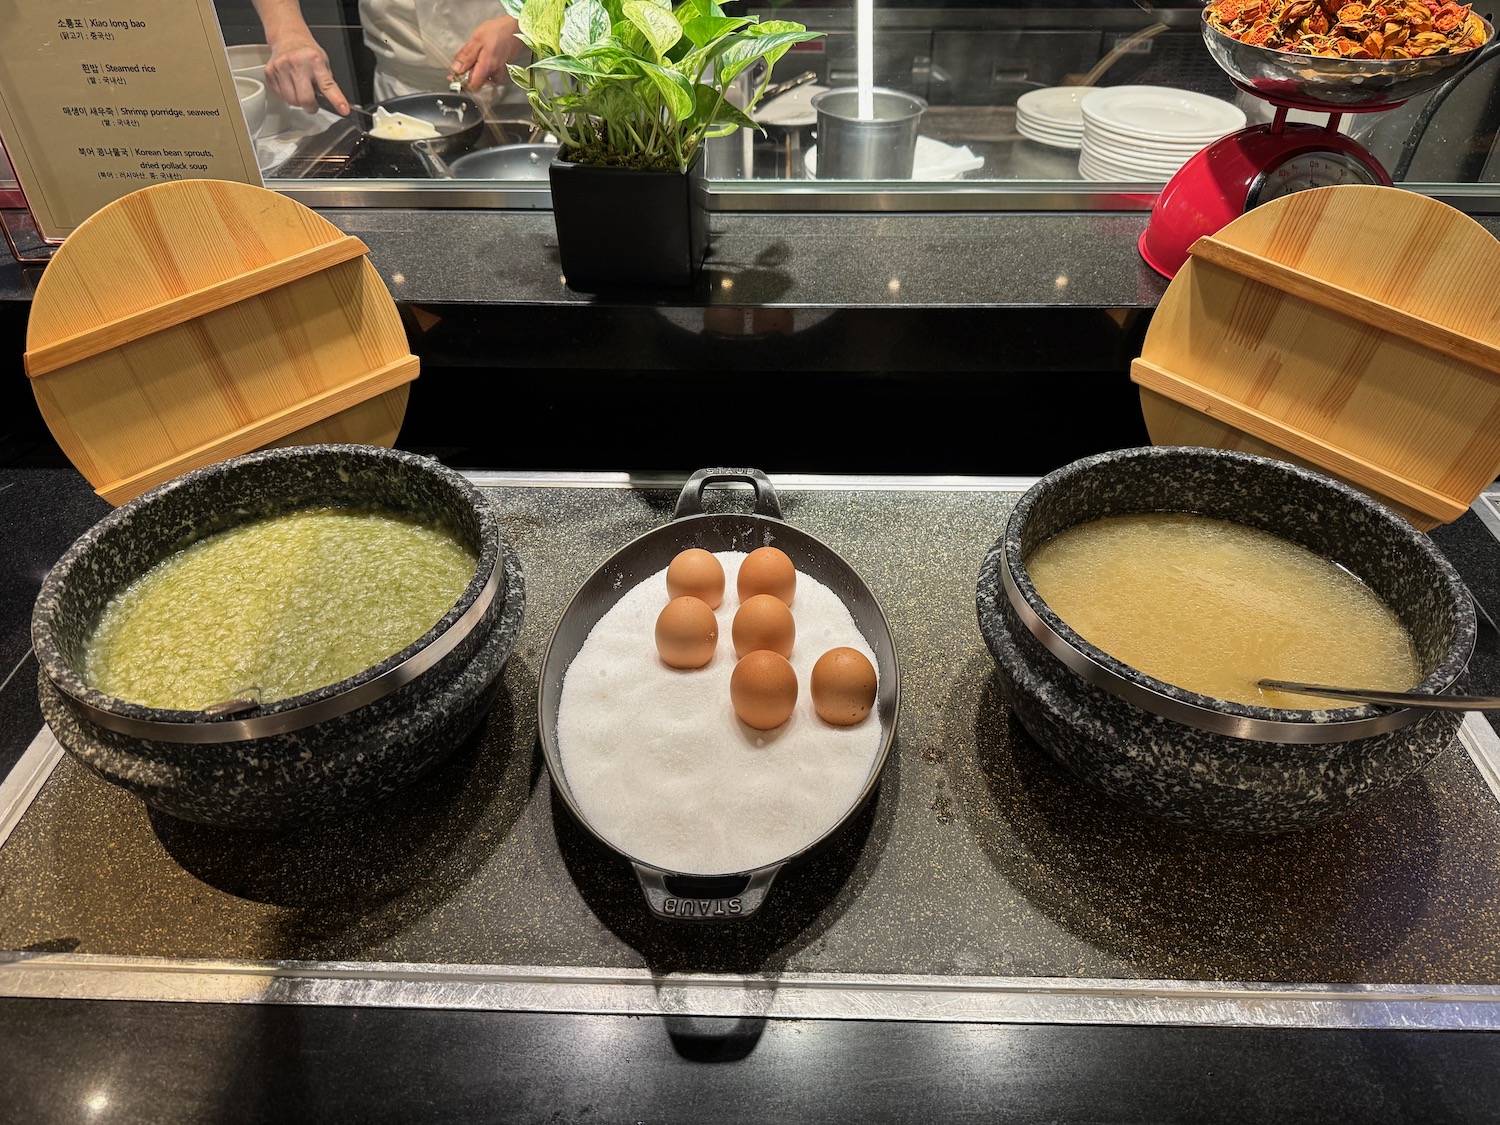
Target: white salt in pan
{"points": [[662, 768]]}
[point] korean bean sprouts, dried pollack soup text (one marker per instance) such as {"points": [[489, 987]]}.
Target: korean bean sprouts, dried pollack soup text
{"points": [[276, 607], [1212, 606]]}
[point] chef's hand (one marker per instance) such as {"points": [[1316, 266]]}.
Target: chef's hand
{"points": [[490, 47], [298, 68]]}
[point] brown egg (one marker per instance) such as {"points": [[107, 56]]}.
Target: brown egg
{"points": [[767, 570], [763, 689], [687, 632], [843, 686], [696, 573], [763, 622]]}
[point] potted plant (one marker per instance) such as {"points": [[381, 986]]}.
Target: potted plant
{"points": [[633, 89]]}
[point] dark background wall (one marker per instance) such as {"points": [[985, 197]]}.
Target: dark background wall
{"points": [[954, 391]]}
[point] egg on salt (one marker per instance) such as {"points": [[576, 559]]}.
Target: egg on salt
{"points": [[698, 574], [687, 633], [763, 689], [843, 686], [767, 570], [763, 621]]}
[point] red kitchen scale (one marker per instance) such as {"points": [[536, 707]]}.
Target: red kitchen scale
{"points": [[1264, 162]]}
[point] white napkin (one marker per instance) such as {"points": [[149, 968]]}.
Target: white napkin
{"points": [[932, 160], [936, 161]]}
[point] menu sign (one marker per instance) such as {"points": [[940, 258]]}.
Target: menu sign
{"points": [[101, 97]]}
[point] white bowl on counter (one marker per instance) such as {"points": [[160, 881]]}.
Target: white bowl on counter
{"points": [[249, 59], [252, 94]]}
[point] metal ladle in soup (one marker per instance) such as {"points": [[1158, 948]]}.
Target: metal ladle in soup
{"points": [[1392, 698]]}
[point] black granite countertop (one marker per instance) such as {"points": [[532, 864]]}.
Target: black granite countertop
{"points": [[169, 1061], [888, 261]]}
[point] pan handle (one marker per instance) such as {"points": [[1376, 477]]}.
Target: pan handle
{"points": [[716, 898], [430, 156], [690, 502]]}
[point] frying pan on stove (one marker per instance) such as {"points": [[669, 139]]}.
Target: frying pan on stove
{"points": [[500, 162], [458, 118], [687, 895]]}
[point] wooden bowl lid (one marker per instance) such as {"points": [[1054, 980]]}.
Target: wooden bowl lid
{"points": [[1352, 329], [196, 320]]}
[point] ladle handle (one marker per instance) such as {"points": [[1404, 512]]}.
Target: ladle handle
{"points": [[717, 898], [690, 502], [1393, 698]]}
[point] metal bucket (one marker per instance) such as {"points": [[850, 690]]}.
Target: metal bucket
{"points": [[882, 147], [690, 895]]}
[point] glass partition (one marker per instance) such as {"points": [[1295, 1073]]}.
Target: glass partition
{"points": [[1063, 104]]}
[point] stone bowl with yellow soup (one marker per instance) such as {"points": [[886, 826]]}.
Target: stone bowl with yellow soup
{"points": [[280, 638], [1137, 596]]}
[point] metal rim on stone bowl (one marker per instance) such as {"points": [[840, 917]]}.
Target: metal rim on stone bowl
{"points": [[1217, 716], [238, 723]]}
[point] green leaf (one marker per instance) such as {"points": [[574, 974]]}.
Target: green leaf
{"points": [[703, 30], [676, 90], [743, 52], [720, 111], [630, 37], [657, 24], [513, 8], [579, 68], [614, 102], [775, 27], [609, 55], [541, 22], [585, 24]]}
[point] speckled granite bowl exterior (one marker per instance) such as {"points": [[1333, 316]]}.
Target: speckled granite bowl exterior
{"points": [[1177, 771], [340, 763]]}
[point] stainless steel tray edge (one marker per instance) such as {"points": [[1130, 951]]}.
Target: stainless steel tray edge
{"points": [[959, 999]]}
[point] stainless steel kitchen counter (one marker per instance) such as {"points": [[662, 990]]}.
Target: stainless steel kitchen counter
{"points": [[982, 884]]}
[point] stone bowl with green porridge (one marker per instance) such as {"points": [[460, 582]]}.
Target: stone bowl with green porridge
{"points": [[280, 638]]}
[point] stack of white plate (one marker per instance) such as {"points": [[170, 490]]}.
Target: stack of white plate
{"points": [[1146, 133], [1052, 116]]}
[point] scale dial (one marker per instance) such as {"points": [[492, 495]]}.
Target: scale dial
{"points": [[1311, 168], [1239, 172]]}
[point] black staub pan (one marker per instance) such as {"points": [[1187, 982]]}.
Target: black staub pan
{"points": [[685, 894]]}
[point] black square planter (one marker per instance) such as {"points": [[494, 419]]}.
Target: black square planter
{"points": [[619, 227]]}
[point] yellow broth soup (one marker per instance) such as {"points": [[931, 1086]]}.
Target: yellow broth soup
{"points": [[276, 607], [1213, 606]]}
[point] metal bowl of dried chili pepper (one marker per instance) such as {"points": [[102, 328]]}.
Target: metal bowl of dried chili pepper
{"points": [[1339, 55]]}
